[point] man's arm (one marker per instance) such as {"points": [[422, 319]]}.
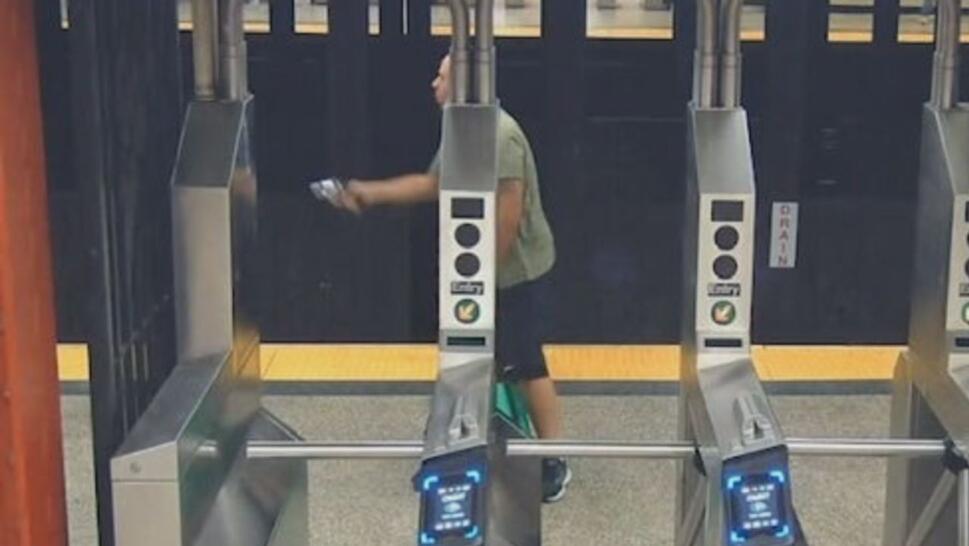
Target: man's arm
{"points": [[511, 205], [401, 190]]}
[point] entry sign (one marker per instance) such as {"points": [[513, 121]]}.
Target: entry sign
{"points": [[783, 236]]}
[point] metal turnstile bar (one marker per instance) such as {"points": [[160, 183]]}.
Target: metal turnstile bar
{"points": [[311, 450], [963, 508], [694, 514], [673, 450], [933, 509], [530, 448], [844, 447]]}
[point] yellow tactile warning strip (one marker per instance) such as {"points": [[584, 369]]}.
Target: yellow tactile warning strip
{"points": [[605, 363]]}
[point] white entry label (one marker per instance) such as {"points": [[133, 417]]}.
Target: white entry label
{"points": [[783, 236]]}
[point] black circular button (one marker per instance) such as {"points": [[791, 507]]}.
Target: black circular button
{"points": [[467, 235], [967, 268], [726, 238], [725, 267], [467, 264]]}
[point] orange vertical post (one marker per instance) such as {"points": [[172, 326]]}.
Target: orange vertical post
{"points": [[32, 504]]}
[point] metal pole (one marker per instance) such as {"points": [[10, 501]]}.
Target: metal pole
{"points": [[484, 59], [363, 450], [460, 35], [705, 58], [694, 515], [730, 60], [836, 447], [933, 508], [963, 514], [530, 448], [205, 47], [945, 83], [232, 51]]}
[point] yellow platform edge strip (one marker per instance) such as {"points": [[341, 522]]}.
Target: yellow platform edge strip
{"points": [[400, 363]]}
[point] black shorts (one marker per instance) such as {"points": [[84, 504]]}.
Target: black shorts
{"points": [[518, 345]]}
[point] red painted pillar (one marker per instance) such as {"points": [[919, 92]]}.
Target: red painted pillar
{"points": [[32, 504]]}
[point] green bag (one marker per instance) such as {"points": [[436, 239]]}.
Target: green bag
{"points": [[511, 405]]}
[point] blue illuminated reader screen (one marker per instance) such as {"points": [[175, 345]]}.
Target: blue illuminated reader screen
{"points": [[450, 507], [758, 508]]}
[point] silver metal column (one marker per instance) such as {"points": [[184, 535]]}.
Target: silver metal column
{"points": [[182, 476], [205, 47], [723, 407], [494, 499], [931, 396]]}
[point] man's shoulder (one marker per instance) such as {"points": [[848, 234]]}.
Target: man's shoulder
{"points": [[509, 128]]}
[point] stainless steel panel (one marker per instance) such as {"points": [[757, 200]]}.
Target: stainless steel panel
{"points": [[461, 409], [515, 496], [190, 444], [214, 221], [932, 379], [469, 170], [147, 513], [262, 503], [723, 406]]}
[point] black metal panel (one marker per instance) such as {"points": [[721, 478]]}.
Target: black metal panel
{"points": [[347, 69], [126, 112], [560, 161], [887, 14], [796, 40]]}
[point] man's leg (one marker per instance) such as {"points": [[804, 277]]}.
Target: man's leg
{"points": [[545, 408]]}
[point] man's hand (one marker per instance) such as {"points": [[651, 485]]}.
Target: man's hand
{"points": [[355, 197]]}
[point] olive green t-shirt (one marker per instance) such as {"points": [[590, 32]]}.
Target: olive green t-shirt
{"points": [[534, 251]]}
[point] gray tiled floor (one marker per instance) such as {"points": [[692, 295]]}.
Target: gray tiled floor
{"points": [[610, 502]]}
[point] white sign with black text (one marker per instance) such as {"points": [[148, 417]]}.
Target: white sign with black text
{"points": [[783, 236]]}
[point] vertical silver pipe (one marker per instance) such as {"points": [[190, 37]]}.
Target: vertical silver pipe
{"points": [[232, 51], [963, 514], [945, 66], [705, 58], [933, 509], [205, 47], [730, 60], [484, 57], [460, 54], [694, 515]]}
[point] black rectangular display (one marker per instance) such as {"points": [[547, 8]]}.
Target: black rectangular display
{"points": [[465, 341], [450, 505], [467, 208], [723, 343], [757, 508], [962, 342], [728, 211]]}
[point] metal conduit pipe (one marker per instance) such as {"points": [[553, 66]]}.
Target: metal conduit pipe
{"points": [[484, 55], [730, 57], [705, 58], [233, 84], [945, 83], [205, 47], [460, 54]]}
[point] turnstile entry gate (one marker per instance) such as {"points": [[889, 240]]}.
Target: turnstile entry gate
{"points": [[737, 490], [928, 499], [182, 476], [471, 492], [207, 466]]}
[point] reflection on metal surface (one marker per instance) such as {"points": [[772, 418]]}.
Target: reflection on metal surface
{"points": [[931, 397]]}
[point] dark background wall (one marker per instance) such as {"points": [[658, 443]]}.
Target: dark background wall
{"points": [[835, 127]]}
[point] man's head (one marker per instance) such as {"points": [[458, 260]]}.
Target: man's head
{"points": [[442, 83]]}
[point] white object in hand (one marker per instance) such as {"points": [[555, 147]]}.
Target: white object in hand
{"points": [[330, 190]]}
